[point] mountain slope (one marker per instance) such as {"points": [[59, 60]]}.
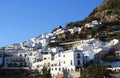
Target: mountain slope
{"points": [[109, 11]]}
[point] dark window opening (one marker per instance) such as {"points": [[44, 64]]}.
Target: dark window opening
{"points": [[44, 58], [78, 62], [71, 62], [64, 62], [78, 55], [59, 69]]}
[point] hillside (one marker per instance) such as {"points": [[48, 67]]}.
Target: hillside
{"points": [[108, 13]]}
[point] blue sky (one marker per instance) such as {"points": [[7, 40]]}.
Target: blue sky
{"points": [[21, 20]]}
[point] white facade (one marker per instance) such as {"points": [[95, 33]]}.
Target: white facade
{"points": [[95, 22], [71, 31], [59, 31], [29, 54], [67, 60], [70, 60], [92, 24], [75, 29], [89, 25]]}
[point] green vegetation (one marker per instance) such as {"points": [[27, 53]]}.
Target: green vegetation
{"points": [[74, 24], [107, 12], [60, 27], [113, 4], [45, 73], [14, 73], [96, 71], [24, 73]]}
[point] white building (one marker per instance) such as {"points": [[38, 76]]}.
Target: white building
{"points": [[92, 24], [89, 25], [75, 29], [95, 22], [57, 59], [59, 31], [14, 59], [70, 60]]}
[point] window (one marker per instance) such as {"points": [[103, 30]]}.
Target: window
{"points": [[27, 59], [25, 55], [59, 55], [59, 64], [64, 62], [71, 62], [52, 64], [78, 55], [78, 62], [86, 57], [63, 55], [52, 56], [37, 66], [44, 58], [30, 54], [52, 68], [59, 69], [48, 64], [20, 55], [33, 61], [55, 64], [68, 70], [55, 68], [71, 69]]}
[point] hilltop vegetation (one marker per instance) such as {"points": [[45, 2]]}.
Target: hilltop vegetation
{"points": [[96, 71], [108, 13]]}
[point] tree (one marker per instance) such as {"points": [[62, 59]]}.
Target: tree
{"points": [[96, 71], [82, 36], [70, 25], [60, 27], [45, 73]]}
